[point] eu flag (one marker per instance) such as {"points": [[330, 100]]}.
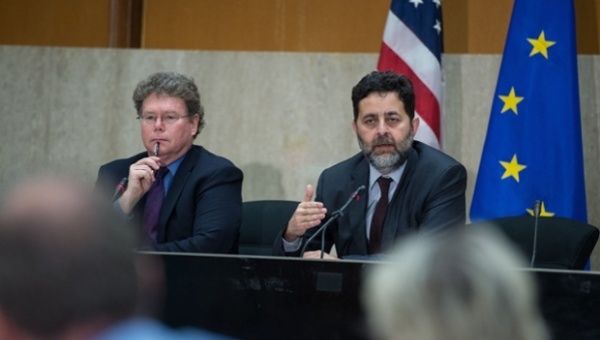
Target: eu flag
{"points": [[533, 150]]}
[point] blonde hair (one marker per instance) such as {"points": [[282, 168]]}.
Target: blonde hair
{"points": [[462, 285]]}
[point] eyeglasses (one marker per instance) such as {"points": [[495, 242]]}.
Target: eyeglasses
{"points": [[168, 119]]}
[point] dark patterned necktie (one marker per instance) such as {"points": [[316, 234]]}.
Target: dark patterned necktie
{"points": [[379, 216], [154, 201]]}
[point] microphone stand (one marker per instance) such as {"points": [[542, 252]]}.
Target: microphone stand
{"points": [[536, 215], [321, 229], [334, 216]]}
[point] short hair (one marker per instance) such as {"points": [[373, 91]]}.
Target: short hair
{"points": [[64, 262], [382, 82], [174, 85], [459, 285]]}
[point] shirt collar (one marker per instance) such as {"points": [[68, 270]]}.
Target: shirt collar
{"points": [[175, 165], [395, 175]]}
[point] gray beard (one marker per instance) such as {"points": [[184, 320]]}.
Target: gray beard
{"points": [[386, 163]]}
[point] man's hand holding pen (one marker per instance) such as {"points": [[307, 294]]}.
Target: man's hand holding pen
{"points": [[141, 177]]}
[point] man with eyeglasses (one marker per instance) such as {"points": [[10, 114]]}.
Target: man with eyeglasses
{"points": [[184, 198]]}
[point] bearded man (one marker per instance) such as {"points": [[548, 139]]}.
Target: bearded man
{"points": [[409, 186]]}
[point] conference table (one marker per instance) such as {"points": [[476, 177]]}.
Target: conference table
{"points": [[259, 297]]}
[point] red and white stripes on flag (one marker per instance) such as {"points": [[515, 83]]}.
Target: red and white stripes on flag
{"points": [[412, 45]]}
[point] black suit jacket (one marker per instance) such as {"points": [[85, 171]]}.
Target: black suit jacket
{"points": [[202, 209], [430, 196]]}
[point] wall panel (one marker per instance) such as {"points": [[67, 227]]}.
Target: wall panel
{"points": [[55, 22], [470, 26], [265, 25]]}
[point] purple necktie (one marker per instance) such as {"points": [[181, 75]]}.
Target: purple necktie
{"points": [[379, 216], [154, 200]]}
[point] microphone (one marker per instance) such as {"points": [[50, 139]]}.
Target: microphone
{"points": [[334, 216], [536, 216], [120, 189]]}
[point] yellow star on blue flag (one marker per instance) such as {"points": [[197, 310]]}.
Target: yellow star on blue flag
{"points": [[542, 213], [512, 168], [511, 100], [540, 45]]}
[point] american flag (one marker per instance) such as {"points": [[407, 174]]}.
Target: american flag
{"points": [[412, 45]]}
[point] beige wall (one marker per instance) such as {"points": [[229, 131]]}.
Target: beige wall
{"points": [[281, 117]]}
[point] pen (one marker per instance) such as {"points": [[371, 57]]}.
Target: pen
{"points": [[156, 149], [120, 189]]}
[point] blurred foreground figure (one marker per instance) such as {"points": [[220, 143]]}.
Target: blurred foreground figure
{"points": [[461, 285], [67, 268]]}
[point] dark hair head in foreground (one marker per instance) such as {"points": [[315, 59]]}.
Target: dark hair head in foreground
{"points": [[65, 260]]}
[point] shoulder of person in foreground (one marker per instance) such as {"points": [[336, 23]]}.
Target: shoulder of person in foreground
{"points": [[148, 329]]}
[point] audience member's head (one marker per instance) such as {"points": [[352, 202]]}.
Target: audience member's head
{"points": [[462, 285], [66, 263]]}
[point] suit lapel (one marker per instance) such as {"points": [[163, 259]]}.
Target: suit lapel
{"points": [[357, 210], [179, 180], [393, 217]]}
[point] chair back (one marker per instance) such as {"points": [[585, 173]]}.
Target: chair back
{"points": [[561, 243], [261, 222]]}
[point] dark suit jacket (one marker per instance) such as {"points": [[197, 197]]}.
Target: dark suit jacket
{"points": [[430, 196], [202, 209]]}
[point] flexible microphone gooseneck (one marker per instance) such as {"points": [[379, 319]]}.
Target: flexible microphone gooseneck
{"points": [[334, 216], [536, 216]]}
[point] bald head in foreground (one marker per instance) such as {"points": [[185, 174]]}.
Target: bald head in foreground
{"points": [[460, 285]]}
